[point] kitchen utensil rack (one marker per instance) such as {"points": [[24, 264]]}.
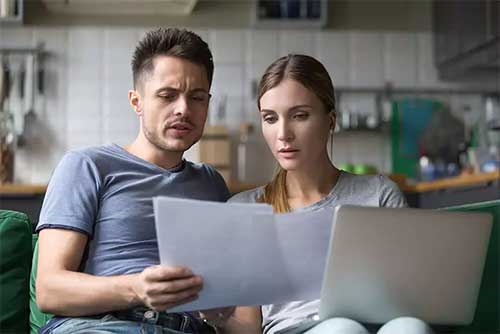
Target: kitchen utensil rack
{"points": [[22, 85]]}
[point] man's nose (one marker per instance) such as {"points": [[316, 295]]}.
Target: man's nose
{"points": [[181, 106]]}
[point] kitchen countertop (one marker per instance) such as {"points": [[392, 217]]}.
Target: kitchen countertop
{"points": [[464, 180], [22, 189], [235, 187], [39, 189]]}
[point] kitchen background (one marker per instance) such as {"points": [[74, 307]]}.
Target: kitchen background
{"points": [[377, 52]]}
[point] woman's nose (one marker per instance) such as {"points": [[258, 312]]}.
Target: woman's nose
{"points": [[285, 132]]}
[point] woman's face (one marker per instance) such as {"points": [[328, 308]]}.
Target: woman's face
{"points": [[295, 125]]}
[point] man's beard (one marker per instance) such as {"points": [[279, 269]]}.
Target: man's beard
{"points": [[155, 140]]}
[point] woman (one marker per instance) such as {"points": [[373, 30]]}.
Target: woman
{"points": [[296, 101]]}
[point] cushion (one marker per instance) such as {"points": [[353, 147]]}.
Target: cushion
{"points": [[15, 264], [37, 317]]}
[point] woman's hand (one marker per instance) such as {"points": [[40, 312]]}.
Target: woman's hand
{"points": [[163, 287]]}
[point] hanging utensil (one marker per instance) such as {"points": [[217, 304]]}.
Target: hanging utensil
{"points": [[2, 89], [29, 84], [17, 96], [39, 82], [4, 83], [30, 89]]}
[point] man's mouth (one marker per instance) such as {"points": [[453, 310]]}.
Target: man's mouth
{"points": [[180, 129], [182, 126]]}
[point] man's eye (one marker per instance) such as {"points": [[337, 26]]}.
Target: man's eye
{"points": [[199, 98], [168, 97]]}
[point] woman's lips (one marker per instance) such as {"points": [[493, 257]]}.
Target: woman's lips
{"points": [[288, 153]]}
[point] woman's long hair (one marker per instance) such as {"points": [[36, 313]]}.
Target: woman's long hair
{"points": [[310, 73]]}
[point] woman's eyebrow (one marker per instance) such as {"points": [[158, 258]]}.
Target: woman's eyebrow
{"points": [[294, 108], [301, 106]]}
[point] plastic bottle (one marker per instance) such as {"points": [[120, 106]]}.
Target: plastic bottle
{"points": [[426, 168]]}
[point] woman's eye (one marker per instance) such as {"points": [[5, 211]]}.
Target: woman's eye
{"points": [[300, 116], [269, 119]]}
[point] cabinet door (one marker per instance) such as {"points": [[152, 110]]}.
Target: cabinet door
{"points": [[473, 23], [494, 17], [446, 30]]}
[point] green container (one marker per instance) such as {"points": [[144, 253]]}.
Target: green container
{"points": [[347, 167]]}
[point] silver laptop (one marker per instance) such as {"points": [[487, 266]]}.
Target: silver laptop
{"points": [[386, 263]]}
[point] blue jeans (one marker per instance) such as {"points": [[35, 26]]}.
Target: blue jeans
{"points": [[109, 324]]}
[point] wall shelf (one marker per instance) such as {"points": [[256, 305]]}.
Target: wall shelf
{"points": [[289, 14]]}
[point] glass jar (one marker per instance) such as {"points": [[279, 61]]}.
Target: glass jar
{"points": [[7, 146]]}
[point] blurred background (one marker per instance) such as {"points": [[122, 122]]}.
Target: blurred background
{"points": [[417, 83]]}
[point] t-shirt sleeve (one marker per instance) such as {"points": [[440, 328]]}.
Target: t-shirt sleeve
{"points": [[221, 186], [249, 196], [391, 195], [71, 201]]}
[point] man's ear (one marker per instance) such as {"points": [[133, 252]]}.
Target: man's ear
{"points": [[135, 101]]}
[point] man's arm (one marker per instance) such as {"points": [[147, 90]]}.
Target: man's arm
{"points": [[62, 290]]}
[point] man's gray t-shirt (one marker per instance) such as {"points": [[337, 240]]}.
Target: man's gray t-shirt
{"points": [[366, 190], [106, 193]]}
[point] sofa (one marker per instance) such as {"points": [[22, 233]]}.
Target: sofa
{"points": [[19, 313], [18, 257]]}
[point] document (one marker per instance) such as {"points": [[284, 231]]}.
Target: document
{"points": [[246, 254]]}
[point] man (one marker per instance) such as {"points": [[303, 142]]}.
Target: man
{"points": [[98, 255]]}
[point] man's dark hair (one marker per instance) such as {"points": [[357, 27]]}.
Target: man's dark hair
{"points": [[172, 42]]}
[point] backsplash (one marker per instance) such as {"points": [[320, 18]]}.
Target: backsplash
{"points": [[88, 76]]}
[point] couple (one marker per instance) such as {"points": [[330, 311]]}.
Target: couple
{"points": [[98, 258]]}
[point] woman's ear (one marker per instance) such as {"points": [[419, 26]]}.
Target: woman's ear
{"points": [[135, 101], [332, 120]]}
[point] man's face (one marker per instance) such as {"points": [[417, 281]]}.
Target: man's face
{"points": [[173, 103]]}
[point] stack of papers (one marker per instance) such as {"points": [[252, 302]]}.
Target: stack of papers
{"points": [[246, 254]]}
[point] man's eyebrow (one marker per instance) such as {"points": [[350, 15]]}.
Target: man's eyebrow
{"points": [[198, 90], [172, 89], [166, 89]]}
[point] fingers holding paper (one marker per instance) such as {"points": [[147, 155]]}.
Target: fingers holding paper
{"points": [[163, 287]]}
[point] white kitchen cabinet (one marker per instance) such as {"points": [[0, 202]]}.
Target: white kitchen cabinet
{"points": [[11, 12], [121, 7]]}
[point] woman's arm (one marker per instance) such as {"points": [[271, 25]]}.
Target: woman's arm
{"points": [[62, 290], [244, 320]]}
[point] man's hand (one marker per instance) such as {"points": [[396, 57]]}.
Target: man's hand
{"points": [[163, 287]]}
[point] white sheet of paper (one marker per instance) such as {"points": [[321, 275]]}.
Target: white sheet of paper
{"points": [[245, 254]]}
